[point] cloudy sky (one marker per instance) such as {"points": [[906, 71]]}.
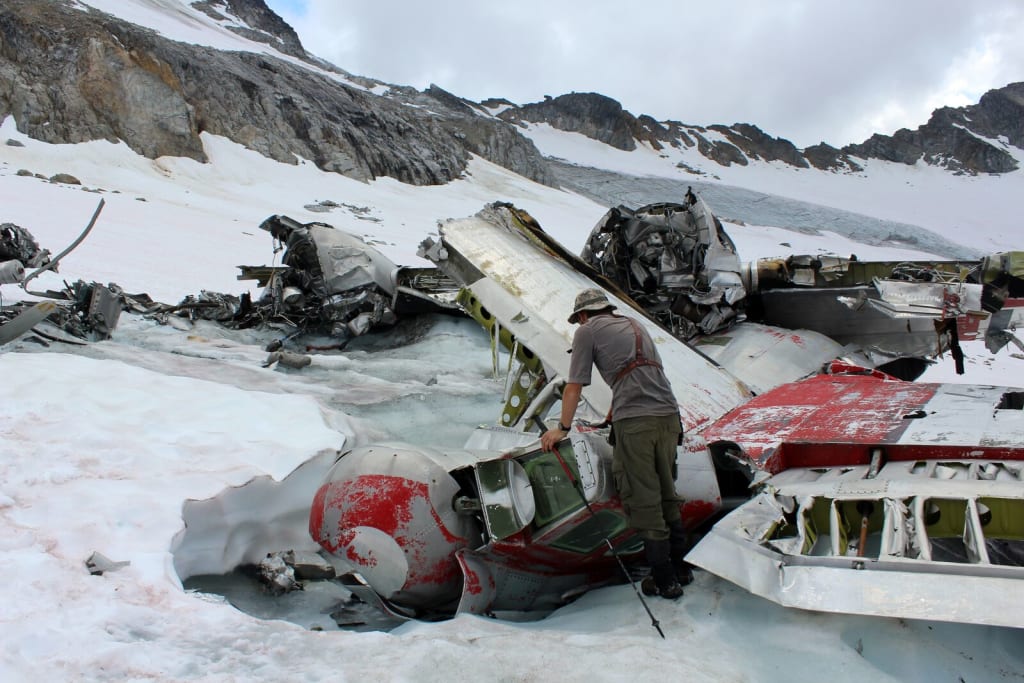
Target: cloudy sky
{"points": [[806, 70]]}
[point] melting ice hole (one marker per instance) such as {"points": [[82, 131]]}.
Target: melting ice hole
{"points": [[227, 536]]}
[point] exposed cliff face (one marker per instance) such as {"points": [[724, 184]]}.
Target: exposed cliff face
{"points": [[961, 140], [261, 24], [70, 75], [590, 114], [958, 139]]}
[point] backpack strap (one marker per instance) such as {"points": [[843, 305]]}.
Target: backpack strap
{"points": [[639, 359]]}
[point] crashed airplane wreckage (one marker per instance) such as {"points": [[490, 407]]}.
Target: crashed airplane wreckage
{"points": [[335, 284], [814, 478], [679, 265], [79, 313], [813, 475], [331, 284]]}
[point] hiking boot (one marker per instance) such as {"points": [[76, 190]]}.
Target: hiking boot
{"points": [[684, 573], [663, 575], [678, 544], [671, 592]]}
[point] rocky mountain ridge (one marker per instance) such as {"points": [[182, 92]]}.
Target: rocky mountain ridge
{"points": [[962, 140], [69, 74]]}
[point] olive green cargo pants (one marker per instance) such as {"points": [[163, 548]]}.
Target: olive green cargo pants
{"points": [[644, 467]]}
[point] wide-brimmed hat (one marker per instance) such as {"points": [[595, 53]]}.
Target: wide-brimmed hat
{"points": [[590, 300]]}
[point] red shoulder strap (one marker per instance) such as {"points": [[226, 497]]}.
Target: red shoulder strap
{"points": [[639, 358]]}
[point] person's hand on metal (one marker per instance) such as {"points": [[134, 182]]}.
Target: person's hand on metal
{"points": [[550, 438]]}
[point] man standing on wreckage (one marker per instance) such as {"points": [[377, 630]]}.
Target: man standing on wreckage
{"points": [[645, 427]]}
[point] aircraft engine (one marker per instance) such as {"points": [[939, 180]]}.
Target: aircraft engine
{"points": [[386, 511]]}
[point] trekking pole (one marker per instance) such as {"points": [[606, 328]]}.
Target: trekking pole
{"points": [[579, 489]]}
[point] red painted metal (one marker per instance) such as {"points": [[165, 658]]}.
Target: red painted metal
{"points": [[316, 519], [836, 420], [401, 508], [697, 511]]}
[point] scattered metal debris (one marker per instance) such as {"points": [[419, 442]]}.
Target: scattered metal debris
{"points": [[11, 272], [675, 260], [330, 283], [285, 571], [18, 244], [99, 564], [88, 311], [679, 265], [502, 525]]}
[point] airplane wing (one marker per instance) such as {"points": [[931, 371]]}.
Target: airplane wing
{"points": [[885, 497], [526, 286]]}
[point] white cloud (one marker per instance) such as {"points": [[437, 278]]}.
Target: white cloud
{"points": [[806, 71]]}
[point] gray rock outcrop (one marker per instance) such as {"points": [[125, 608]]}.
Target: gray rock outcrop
{"points": [[71, 74], [961, 139], [596, 116], [261, 24]]}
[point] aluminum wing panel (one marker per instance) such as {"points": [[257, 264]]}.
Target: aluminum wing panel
{"points": [[889, 592], [852, 316], [932, 548], [531, 290], [764, 357], [835, 420]]}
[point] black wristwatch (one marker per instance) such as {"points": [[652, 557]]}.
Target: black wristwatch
{"points": [[562, 426]]}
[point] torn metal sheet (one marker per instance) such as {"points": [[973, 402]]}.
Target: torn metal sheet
{"points": [[853, 317], [832, 420], [940, 300], [499, 530], [892, 311], [18, 244], [24, 320], [886, 498], [11, 272], [99, 564], [907, 543], [675, 260], [88, 311], [762, 356], [331, 283]]}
